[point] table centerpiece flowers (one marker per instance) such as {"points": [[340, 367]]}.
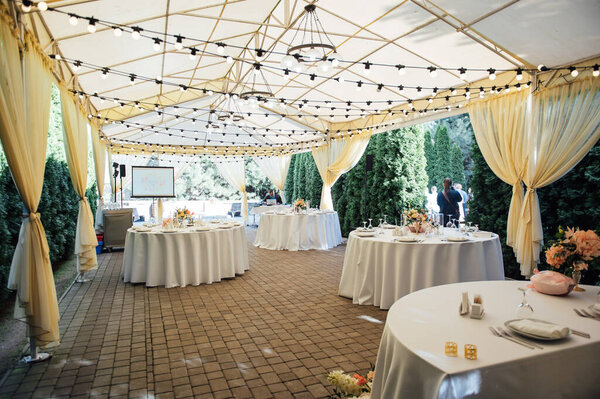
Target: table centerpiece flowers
{"points": [[351, 386], [299, 205], [183, 215], [417, 220], [572, 251]]}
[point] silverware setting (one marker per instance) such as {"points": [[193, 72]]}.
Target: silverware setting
{"points": [[509, 338], [507, 334], [586, 313]]}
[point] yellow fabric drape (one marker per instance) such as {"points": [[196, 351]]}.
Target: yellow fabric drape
{"points": [[337, 158], [500, 125], [276, 169], [564, 126], [25, 86], [109, 157], [99, 151], [235, 173], [76, 150]]}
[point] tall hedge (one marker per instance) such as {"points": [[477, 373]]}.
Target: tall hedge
{"points": [[58, 208], [457, 166], [442, 147], [570, 201]]}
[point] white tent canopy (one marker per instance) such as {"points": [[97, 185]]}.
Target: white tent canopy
{"points": [[444, 34]]}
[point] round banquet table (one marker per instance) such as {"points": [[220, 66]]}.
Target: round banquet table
{"points": [[411, 362], [292, 231], [185, 257], [258, 210], [378, 271]]}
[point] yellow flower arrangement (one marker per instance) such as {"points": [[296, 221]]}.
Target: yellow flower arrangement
{"points": [[417, 220], [183, 214], [299, 203]]}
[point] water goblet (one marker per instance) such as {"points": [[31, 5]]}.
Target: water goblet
{"points": [[380, 227], [365, 225], [370, 224], [384, 219], [524, 309]]}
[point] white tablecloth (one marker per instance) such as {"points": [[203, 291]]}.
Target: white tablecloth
{"points": [[184, 258], [299, 231], [411, 361], [378, 271], [257, 210]]}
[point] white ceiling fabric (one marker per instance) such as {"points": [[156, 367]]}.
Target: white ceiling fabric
{"points": [[503, 34]]}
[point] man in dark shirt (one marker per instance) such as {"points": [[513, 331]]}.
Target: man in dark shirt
{"points": [[448, 200], [274, 196]]}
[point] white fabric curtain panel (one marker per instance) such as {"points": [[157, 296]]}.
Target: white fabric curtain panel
{"points": [[235, 174], [76, 149], [337, 158], [25, 84], [535, 139], [499, 126], [564, 125], [276, 169], [99, 151]]}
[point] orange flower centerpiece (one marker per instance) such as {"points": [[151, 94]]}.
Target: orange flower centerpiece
{"points": [[183, 215], [572, 252], [417, 220], [351, 386], [299, 204]]}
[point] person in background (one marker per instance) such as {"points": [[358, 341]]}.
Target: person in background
{"points": [[274, 196], [465, 199], [448, 200], [432, 200]]}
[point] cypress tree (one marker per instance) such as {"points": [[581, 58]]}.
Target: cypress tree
{"points": [[300, 177], [442, 155], [313, 181], [288, 188], [458, 168], [430, 157]]}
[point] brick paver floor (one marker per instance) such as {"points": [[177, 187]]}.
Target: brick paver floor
{"points": [[273, 332]]}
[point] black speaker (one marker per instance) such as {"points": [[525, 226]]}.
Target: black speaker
{"points": [[122, 170], [369, 162]]}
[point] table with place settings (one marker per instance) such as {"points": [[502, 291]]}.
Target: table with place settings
{"points": [[411, 362], [284, 230], [189, 256], [378, 270]]}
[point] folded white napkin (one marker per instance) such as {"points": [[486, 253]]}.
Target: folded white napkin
{"points": [[541, 329], [596, 307], [482, 234]]}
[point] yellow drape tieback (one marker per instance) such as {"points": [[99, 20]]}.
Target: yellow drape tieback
{"points": [[34, 215]]}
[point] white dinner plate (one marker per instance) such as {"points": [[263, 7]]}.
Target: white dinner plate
{"points": [[365, 233], [142, 229], [389, 226], [457, 238], [595, 309], [202, 228], [168, 231], [408, 239], [225, 226], [526, 334]]}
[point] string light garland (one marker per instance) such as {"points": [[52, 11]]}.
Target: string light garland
{"points": [[177, 41], [291, 102]]}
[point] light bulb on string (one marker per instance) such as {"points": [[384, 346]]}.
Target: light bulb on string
{"points": [[178, 42], [193, 52], [117, 31], [26, 5], [359, 86], [432, 71], [91, 25], [220, 48], [135, 33], [462, 73], [596, 71], [229, 59], [368, 68], [335, 62], [519, 74], [42, 6], [73, 19], [156, 45], [401, 69], [492, 74], [574, 71]]}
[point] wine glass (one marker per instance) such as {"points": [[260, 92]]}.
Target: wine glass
{"points": [[370, 224], [380, 227], [524, 309], [364, 225], [384, 219], [449, 224]]}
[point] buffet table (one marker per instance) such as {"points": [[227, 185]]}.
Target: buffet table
{"points": [[292, 231], [184, 257], [411, 362], [378, 271]]}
